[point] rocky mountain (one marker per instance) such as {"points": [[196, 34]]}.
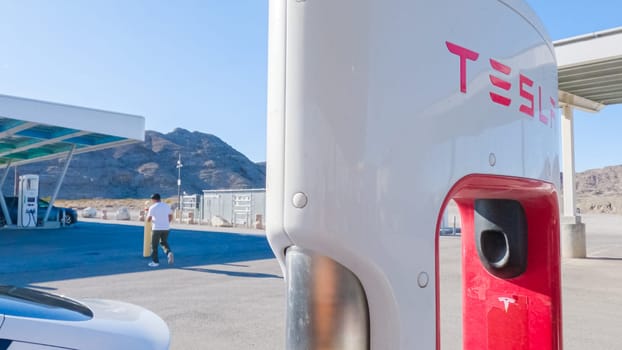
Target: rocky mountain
{"points": [[600, 190], [137, 170]]}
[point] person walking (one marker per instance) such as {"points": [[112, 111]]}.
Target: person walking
{"points": [[160, 215]]}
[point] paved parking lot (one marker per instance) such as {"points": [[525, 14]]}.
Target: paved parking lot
{"points": [[225, 290]]}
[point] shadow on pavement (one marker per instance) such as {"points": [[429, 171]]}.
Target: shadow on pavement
{"points": [[95, 249], [603, 258], [233, 273]]}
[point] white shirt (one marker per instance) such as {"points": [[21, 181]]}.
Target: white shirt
{"points": [[159, 213]]}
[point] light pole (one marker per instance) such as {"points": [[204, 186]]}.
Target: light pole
{"points": [[179, 165]]}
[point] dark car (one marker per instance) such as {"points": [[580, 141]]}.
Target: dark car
{"points": [[67, 216]]}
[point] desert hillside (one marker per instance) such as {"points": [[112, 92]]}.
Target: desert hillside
{"points": [[142, 168], [600, 190]]}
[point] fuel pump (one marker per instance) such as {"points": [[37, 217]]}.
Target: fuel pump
{"points": [[379, 113], [28, 198]]}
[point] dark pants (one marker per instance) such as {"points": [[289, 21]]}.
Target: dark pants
{"points": [[161, 237]]}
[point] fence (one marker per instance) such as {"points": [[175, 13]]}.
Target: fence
{"points": [[239, 208]]}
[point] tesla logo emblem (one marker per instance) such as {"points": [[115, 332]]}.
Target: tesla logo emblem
{"points": [[507, 301], [501, 80]]}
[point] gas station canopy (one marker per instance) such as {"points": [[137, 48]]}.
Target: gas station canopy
{"points": [[590, 69], [32, 130], [590, 78]]}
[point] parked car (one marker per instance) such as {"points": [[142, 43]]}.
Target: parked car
{"points": [[31, 319], [68, 216]]}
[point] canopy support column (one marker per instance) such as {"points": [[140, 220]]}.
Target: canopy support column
{"points": [[60, 181], [5, 210], [572, 229], [570, 203]]}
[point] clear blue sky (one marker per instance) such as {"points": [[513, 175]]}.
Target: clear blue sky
{"points": [[201, 65]]}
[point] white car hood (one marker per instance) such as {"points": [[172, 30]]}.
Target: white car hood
{"points": [[115, 325]]}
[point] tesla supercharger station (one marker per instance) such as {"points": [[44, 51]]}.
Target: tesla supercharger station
{"points": [[28, 197], [379, 113]]}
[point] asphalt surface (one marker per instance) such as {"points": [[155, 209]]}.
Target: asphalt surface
{"points": [[225, 290]]}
